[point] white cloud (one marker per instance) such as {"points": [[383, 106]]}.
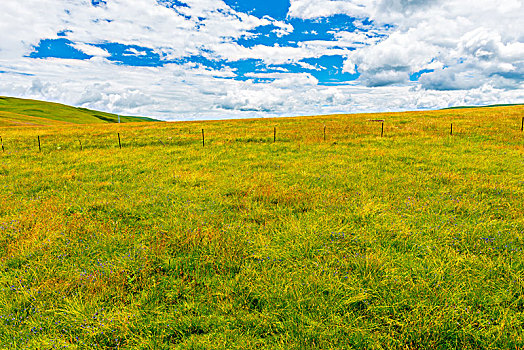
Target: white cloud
{"points": [[476, 49], [176, 93], [309, 9], [91, 50], [282, 28], [467, 42]]}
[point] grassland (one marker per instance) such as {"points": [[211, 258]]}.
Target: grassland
{"points": [[23, 112], [413, 240]]}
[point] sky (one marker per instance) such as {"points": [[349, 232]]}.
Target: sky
{"points": [[217, 59]]}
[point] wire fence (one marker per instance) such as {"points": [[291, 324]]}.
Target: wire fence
{"points": [[216, 133]]}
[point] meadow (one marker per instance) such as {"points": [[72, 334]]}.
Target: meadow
{"points": [[339, 240]]}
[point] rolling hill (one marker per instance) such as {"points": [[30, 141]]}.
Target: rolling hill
{"points": [[488, 106], [24, 112]]}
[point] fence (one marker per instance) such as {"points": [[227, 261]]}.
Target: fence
{"points": [[300, 131]]}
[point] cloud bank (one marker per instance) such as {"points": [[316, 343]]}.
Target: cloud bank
{"points": [[207, 59]]}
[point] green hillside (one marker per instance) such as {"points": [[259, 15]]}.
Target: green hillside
{"points": [[489, 106], [17, 111]]}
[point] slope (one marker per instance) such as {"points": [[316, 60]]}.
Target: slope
{"points": [[17, 111]]}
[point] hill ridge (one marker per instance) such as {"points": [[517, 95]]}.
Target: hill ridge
{"points": [[16, 111]]}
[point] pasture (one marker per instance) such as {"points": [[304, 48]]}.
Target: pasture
{"points": [[346, 239]]}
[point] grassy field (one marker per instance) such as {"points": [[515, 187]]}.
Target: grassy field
{"points": [[413, 240], [22, 112]]}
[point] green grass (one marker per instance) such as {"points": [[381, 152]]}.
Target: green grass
{"points": [[413, 240], [23, 112]]}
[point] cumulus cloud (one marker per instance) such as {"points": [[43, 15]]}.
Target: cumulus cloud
{"points": [[451, 79], [462, 44], [174, 94], [308, 9], [405, 7], [409, 54]]}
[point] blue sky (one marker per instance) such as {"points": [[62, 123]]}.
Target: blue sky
{"points": [[327, 68], [207, 59]]}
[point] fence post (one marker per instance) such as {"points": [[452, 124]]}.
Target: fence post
{"points": [[203, 139], [451, 130], [275, 134], [324, 133], [39, 147], [119, 143], [2, 142], [382, 131], [81, 148], [522, 125]]}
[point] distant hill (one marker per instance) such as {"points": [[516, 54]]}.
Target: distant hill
{"points": [[20, 112], [497, 105]]}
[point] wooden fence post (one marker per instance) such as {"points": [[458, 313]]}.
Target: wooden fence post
{"points": [[275, 134], [451, 130], [2, 142], [203, 139], [119, 143], [39, 147], [382, 131]]}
